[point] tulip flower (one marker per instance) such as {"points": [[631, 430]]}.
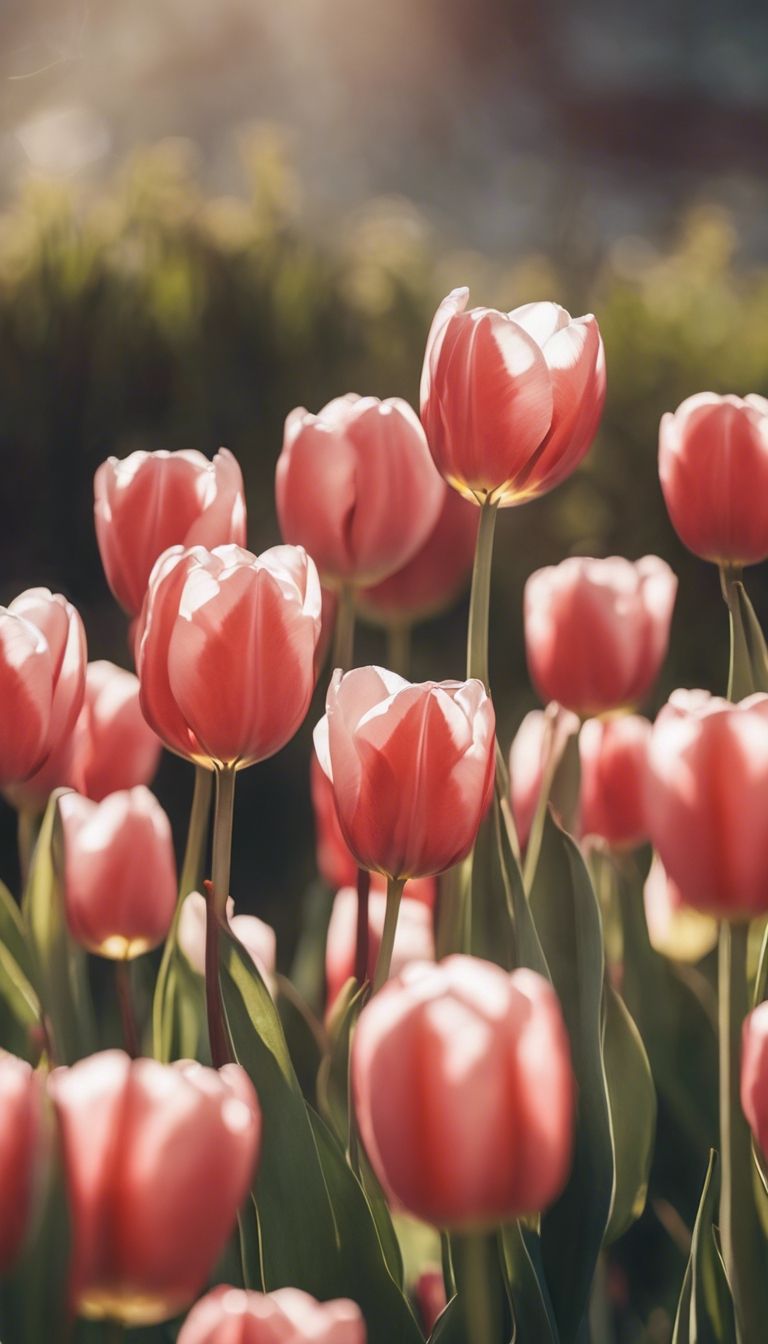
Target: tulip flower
{"points": [[430, 1297], [114, 747], [536, 750], [288, 1316], [463, 1092], [706, 798], [355, 486], [713, 466], [510, 401], [257, 938], [754, 1074], [674, 929], [42, 683], [613, 761], [158, 1159], [596, 631], [118, 871], [147, 502], [20, 1153], [414, 937]]}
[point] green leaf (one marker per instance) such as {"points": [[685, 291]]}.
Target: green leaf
{"points": [[749, 657], [532, 1311], [632, 1097], [178, 1003], [705, 1309], [567, 917], [13, 934], [501, 926], [19, 1008]]}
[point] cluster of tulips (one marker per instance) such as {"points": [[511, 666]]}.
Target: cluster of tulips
{"points": [[475, 1065]]}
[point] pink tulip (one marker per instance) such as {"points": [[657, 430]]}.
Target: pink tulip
{"points": [[510, 401], [674, 928], [430, 1297], [20, 1153], [596, 631], [536, 750], [119, 872], [414, 938], [613, 763], [257, 938], [412, 768], [754, 1074], [463, 1092], [147, 502], [706, 797], [226, 651], [289, 1316], [713, 465], [114, 747], [158, 1159], [435, 576], [356, 487]]}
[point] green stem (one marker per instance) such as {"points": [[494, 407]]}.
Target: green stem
{"points": [[399, 648], [384, 960], [222, 837], [477, 1271], [479, 602], [197, 833], [127, 1009], [344, 634], [216, 912]]}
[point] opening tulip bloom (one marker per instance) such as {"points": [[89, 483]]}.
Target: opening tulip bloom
{"points": [[536, 750], [596, 631], [706, 800], [355, 485], [414, 937], [289, 1316], [754, 1075], [613, 764], [510, 401], [463, 1092], [713, 467], [158, 1159], [257, 938], [147, 502], [21, 1150], [114, 747], [412, 768], [119, 872], [226, 651]]}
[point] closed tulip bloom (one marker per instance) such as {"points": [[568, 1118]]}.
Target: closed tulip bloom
{"points": [[435, 576], [412, 768], [119, 872], [713, 466], [257, 938], [463, 1092], [20, 1153], [288, 1316], [414, 938], [536, 750], [510, 401], [706, 797], [613, 763], [147, 502], [114, 747], [596, 631], [754, 1074], [158, 1159], [356, 487], [430, 1297], [226, 651], [675, 929]]}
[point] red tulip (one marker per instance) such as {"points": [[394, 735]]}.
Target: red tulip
{"points": [[613, 762], [412, 768], [430, 1297], [114, 747], [706, 798], [754, 1074], [596, 631], [536, 750], [510, 401], [257, 938], [289, 1316], [414, 938], [226, 651], [436, 574], [713, 465], [356, 487], [119, 872], [158, 1159], [20, 1151], [463, 1092], [150, 501]]}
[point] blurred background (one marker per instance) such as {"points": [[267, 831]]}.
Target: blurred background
{"points": [[212, 213]]}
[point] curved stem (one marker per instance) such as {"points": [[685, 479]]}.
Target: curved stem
{"points": [[344, 634], [399, 648], [197, 833], [127, 1009], [217, 892], [361, 932], [479, 602], [384, 961]]}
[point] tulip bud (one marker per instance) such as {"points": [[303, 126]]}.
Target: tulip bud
{"points": [[20, 1151], [355, 486], [706, 799], [289, 1316], [147, 502], [257, 938], [463, 1092], [596, 631], [114, 747], [158, 1159], [430, 1297], [536, 750], [510, 401], [226, 651], [414, 938], [754, 1074], [613, 762], [412, 768], [119, 872], [435, 576], [675, 930], [713, 466]]}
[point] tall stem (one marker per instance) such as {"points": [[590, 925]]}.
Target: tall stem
{"points": [[384, 961], [479, 602], [344, 634], [216, 912], [361, 932], [197, 833], [477, 1272], [399, 647], [222, 837], [127, 1009]]}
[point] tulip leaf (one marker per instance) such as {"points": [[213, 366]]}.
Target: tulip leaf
{"points": [[19, 1007], [632, 1098], [567, 916], [529, 1298], [705, 1310], [748, 670], [178, 1006], [500, 925], [13, 934]]}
